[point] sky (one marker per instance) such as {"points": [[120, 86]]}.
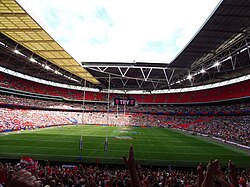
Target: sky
{"points": [[121, 30]]}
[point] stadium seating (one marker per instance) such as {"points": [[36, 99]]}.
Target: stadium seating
{"points": [[234, 91]]}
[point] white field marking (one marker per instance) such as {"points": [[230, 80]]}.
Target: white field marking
{"points": [[156, 152], [4, 133], [154, 145], [123, 137], [126, 128]]}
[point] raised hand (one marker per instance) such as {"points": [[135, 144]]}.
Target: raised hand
{"points": [[200, 175], [233, 173], [212, 170], [130, 164], [23, 178]]}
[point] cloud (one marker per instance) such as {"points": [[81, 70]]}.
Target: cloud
{"points": [[121, 30], [156, 46], [102, 14]]}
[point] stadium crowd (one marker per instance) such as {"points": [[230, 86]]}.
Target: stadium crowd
{"points": [[133, 175], [36, 102], [229, 92], [228, 128]]}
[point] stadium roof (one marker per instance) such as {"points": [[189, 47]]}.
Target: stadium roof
{"points": [[219, 51], [16, 24], [228, 24]]}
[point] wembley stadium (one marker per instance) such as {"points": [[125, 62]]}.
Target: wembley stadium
{"points": [[70, 123]]}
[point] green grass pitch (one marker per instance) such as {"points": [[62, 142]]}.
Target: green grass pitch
{"points": [[152, 146]]}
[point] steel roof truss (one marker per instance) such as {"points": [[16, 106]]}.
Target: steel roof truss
{"points": [[145, 76], [165, 71], [102, 69], [123, 74], [248, 51], [139, 83], [155, 84], [233, 62], [124, 82]]}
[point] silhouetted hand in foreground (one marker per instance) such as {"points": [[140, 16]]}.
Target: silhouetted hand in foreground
{"points": [[233, 174], [200, 175], [130, 164], [212, 169], [23, 178], [215, 177]]}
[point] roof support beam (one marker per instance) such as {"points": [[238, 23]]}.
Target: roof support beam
{"points": [[124, 82], [231, 15], [168, 79], [139, 83], [155, 84], [144, 75], [82, 72], [248, 51], [69, 66], [233, 62], [221, 30], [123, 74], [102, 70], [48, 50], [6, 14], [56, 58], [28, 29], [36, 41]]}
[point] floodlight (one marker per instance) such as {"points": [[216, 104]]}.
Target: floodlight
{"points": [[189, 77], [16, 51], [46, 67], [216, 64], [32, 60], [203, 71]]}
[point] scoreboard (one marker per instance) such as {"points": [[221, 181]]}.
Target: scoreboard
{"points": [[127, 102]]}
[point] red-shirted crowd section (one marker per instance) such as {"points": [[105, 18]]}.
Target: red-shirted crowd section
{"points": [[238, 90]]}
